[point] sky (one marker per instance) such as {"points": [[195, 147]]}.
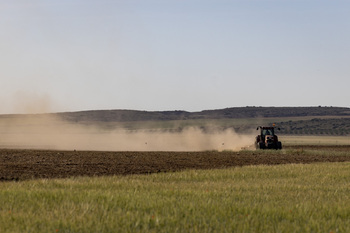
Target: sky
{"points": [[156, 55]]}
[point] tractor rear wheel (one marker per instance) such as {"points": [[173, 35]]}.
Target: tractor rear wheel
{"points": [[279, 145], [261, 145]]}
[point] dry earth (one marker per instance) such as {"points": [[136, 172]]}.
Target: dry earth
{"points": [[17, 165]]}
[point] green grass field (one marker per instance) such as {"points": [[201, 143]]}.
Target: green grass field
{"points": [[314, 140], [284, 198]]}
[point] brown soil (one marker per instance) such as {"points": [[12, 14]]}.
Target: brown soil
{"points": [[16, 165]]}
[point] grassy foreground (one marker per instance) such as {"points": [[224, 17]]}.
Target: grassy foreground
{"points": [[286, 198]]}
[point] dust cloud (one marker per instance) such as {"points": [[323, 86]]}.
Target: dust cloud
{"points": [[47, 131], [31, 102]]}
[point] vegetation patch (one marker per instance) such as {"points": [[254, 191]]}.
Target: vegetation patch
{"points": [[283, 198]]}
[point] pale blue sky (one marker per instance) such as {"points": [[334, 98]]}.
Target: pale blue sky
{"points": [[71, 55]]}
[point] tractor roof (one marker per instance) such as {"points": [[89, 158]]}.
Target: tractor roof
{"points": [[267, 127]]}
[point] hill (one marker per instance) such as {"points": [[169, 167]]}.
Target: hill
{"points": [[227, 113], [291, 120]]}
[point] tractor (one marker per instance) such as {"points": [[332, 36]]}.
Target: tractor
{"points": [[267, 139]]}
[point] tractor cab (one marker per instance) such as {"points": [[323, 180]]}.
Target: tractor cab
{"points": [[267, 131]]}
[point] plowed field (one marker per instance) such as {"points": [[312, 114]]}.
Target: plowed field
{"points": [[32, 164]]}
